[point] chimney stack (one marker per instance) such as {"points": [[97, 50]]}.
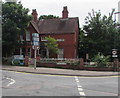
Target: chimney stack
{"points": [[65, 12], [34, 14]]}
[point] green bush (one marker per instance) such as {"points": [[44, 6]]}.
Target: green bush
{"points": [[101, 60]]}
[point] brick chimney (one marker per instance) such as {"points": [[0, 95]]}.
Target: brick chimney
{"points": [[65, 12], [34, 14]]}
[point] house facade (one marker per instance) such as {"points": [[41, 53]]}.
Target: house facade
{"points": [[65, 30]]}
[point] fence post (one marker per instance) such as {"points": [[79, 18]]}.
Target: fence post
{"points": [[81, 63]]}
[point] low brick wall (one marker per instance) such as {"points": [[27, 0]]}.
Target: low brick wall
{"points": [[54, 65], [81, 66]]}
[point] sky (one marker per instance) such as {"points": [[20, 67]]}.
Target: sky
{"points": [[76, 8]]}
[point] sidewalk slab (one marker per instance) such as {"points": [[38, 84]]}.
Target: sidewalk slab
{"points": [[55, 71]]}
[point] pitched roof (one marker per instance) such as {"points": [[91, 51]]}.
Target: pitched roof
{"points": [[34, 25], [59, 25]]}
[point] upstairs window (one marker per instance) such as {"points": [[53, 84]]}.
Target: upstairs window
{"points": [[28, 36], [43, 39], [60, 40]]}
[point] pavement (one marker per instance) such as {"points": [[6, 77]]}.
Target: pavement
{"points": [[56, 71]]}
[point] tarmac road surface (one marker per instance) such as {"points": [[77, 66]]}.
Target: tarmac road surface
{"points": [[28, 84]]}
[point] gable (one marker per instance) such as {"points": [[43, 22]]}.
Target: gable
{"points": [[34, 25]]}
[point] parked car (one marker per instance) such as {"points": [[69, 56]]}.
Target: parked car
{"points": [[18, 60]]}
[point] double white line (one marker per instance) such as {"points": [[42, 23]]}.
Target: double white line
{"points": [[80, 89]]}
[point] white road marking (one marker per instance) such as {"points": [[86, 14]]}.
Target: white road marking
{"points": [[77, 81], [12, 81], [79, 86], [80, 89], [82, 93]]}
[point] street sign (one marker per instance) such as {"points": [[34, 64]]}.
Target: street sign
{"points": [[115, 56], [35, 43], [114, 53], [35, 39], [35, 35]]}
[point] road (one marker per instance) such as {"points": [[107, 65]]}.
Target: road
{"points": [[27, 84]]}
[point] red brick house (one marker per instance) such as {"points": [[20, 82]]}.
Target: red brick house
{"points": [[65, 30]]}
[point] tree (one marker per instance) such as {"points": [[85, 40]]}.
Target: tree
{"points": [[15, 20], [102, 34], [48, 17], [51, 45]]}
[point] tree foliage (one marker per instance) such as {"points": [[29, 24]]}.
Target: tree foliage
{"points": [[51, 44], [103, 34], [48, 17], [15, 20]]}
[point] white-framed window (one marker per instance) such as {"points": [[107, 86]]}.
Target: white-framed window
{"points": [[27, 35], [43, 39], [61, 53], [60, 40], [22, 51]]}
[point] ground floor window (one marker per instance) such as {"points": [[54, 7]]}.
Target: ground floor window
{"points": [[22, 51], [61, 53], [43, 53]]}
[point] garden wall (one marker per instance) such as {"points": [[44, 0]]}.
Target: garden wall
{"points": [[80, 66]]}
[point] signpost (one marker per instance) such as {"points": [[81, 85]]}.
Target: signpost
{"points": [[114, 53], [35, 37]]}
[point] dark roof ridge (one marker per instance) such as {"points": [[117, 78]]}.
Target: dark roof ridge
{"points": [[59, 18]]}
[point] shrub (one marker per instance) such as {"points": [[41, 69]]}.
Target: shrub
{"points": [[101, 60]]}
